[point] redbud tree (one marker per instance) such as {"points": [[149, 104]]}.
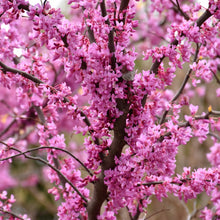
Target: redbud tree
{"points": [[78, 74]]}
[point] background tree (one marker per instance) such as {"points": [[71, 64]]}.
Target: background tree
{"points": [[76, 75]]}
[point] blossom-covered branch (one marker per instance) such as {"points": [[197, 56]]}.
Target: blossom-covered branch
{"points": [[46, 147], [20, 72], [49, 165], [97, 90]]}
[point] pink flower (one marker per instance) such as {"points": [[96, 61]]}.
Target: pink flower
{"points": [[193, 109]]}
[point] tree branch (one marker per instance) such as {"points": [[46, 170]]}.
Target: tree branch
{"points": [[111, 44], [199, 22], [46, 147], [100, 189], [180, 182], [214, 135], [187, 76], [20, 72], [162, 119], [11, 213], [178, 9], [46, 163], [8, 127], [207, 14], [158, 212], [138, 212], [216, 77], [123, 6], [38, 110], [40, 114]]}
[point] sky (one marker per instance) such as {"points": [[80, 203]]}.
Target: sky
{"points": [[53, 3], [204, 3]]}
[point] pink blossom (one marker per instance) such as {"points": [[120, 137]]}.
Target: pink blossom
{"points": [[75, 96]]}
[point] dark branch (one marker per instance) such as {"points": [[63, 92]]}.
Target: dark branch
{"points": [[100, 189], [20, 72], [199, 22], [11, 214], [216, 77], [111, 44], [182, 86], [24, 7], [203, 18], [46, 163], [179, 10], [123, 7], [49, 147], [38, 81], [8, 127]]}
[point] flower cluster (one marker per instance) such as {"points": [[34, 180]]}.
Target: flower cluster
{"points": [[73, 91], [6, 205]]}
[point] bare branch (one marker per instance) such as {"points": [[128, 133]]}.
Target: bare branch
{"points": [[47, 147], [179, 10], [67, 152], [8, 127], [158, 212], [216, 77], [12, 214], [182, 86], [40, 114], [187, 76], [111, 44], [46, 163]]}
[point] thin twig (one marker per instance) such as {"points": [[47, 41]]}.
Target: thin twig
{"points": [[214, 135], [8, 127], [38, 81], [130, 216], [111, 44], [216, 77], [45, 147], [156, 213], [52, 167], [40, 114], [123, 6], [179, 92], [177, 7], [199, 22], [11, 213], [187, 75]]}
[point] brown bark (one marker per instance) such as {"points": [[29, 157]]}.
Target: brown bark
{"points": [[100, 189]]}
